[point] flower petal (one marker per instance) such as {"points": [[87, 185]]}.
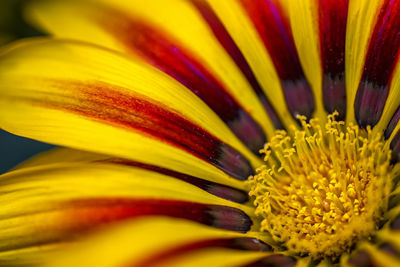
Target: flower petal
{"points": [[389, 239], [78, 95], [332, 23], [155, 33], [370, 255], [360, 23], [391, 126], [379, 65], [387, 248], [395, 145], [273, 26], [65, 155], [358, 259], [273, 260], [149, 240], [392, 133], [242, 30], [303, 19], [368, 71], [230, 46], [238, 243], [391, 112], [58, 203]]}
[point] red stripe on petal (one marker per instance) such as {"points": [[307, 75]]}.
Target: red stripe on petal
{"points": [[122, 108], [244, 243], [382, 56], [172, 58], [274, 30], [68, 221], [233, 50], [84, 214], [216, 189], [332, 32]]}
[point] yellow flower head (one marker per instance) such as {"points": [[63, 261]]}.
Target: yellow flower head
{"points": [[162, 109]]}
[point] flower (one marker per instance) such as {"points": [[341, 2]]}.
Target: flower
{"points": [[162, 108]]}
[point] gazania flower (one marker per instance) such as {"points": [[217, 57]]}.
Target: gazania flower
{"points": [[164, 106]]}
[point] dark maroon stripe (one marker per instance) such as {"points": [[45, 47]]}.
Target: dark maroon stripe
{"points": [[106, 102], [88, 213], [273, 261], [332, 32], [381, 59], [388, 248], [220, 190], [393, 123], [273, 28], [233, 50], [395, 224], [244, 243], [395, 147], [169, 56], [361, 259]]}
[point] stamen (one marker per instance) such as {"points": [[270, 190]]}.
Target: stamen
{"points": [[323, 187]]}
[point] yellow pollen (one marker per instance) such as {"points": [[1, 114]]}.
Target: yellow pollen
{"points": [[323, 187]]}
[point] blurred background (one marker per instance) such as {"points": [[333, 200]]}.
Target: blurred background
{"points": [[15, 149]]}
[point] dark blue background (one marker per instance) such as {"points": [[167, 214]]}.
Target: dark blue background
{"points": [[14, 149]]}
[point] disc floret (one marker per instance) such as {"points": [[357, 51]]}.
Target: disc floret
{"points": [[323, 187]]}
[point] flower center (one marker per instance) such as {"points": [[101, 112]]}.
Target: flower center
{"points": [[323, 187]]}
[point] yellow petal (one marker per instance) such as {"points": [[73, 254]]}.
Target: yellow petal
{"points": [[138, 242], [236, 192], [78, 95], [58, 203], [303, 21], [389, 237], [246, 37], [360, 23], [116, 24]]}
